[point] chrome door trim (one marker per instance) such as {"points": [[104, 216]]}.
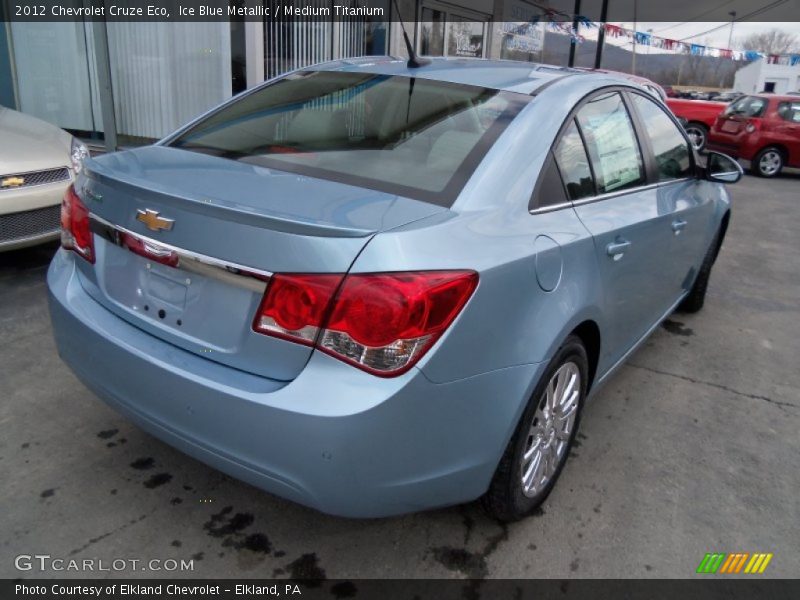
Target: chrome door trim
{"points": [[229, 272], [606, 196]]}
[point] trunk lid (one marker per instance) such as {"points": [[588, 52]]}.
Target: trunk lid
{"points": [[227, 218]]}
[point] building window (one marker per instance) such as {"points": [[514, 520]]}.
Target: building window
{"points": [[447, 32]]}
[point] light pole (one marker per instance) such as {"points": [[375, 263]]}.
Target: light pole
{"points": [[633, 58], [730, 35]]}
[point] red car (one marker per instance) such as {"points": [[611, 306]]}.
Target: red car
{"points": [[764, 129], [700, 116]]}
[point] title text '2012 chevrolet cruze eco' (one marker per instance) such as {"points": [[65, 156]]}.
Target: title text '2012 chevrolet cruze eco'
{"points": [[375, 289]]}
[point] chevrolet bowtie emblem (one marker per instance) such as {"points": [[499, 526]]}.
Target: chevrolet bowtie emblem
{"points": [[10, 182], [153, 221]]}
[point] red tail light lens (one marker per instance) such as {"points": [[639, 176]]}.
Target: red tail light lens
{"points": [[385, 322], [294, 306], [76, 233], [382, 323]]}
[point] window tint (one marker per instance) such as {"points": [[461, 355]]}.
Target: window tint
{"points": [[789, 111], [574, 164], [669, 145], [549, 189], [611, 142], [402, 135], [748, 106]]}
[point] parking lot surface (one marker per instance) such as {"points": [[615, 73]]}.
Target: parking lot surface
{"points": [[693, 447]]}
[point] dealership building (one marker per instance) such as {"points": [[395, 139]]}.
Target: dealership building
{"points": [[762, 76], [128, 83]]}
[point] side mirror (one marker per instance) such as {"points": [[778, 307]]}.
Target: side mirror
{"points": [[722, 168]]}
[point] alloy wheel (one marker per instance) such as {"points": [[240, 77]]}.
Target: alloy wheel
{"points": [[770, 162], [697, 137], [551, 429]]}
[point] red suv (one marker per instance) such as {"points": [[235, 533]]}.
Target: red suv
{"points": [[764, 129]]}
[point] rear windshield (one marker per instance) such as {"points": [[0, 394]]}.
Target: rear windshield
{"points": [[406, 136], [749, 106]]}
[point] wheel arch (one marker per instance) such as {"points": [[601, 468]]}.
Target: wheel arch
{"points": [[778, 146], [723, 229], [589, 333]]}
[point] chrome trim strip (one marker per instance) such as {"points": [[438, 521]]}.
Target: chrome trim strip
{"points": [[229, 272], [606, 196], [550, 208], [615, 194]]}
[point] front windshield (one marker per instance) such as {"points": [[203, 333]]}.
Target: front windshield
{"points": [[409, 136]]}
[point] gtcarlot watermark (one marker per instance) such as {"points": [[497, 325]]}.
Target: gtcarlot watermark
{"points": [[46, 562]]}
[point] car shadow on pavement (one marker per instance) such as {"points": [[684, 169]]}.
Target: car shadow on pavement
{"points": [[26, 260]]}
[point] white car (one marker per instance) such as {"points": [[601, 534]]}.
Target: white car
{"points": [[38, 161]]}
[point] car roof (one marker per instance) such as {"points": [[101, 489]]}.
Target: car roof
{"points": [[778, 97], [509, 75]]}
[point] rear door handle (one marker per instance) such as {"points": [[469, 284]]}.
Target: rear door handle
{"points": [[678, 225], [616, 249]]}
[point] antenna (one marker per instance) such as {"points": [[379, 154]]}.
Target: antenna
{"points": [[414, 61]]}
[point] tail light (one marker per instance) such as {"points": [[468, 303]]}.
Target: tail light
{"points": [[150, 251], [382, 323], [294, 306], [76, 233]]}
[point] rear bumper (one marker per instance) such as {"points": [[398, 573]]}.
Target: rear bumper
{"points": [[335, 439]]}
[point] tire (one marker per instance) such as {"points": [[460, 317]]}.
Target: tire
{"points": [[506, 499], [696, 298], [698, 135], [768, 162]]}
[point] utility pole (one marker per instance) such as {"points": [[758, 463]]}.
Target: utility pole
{"points": [[633, 58], [575, 24], [601, 36], [730, 35]]}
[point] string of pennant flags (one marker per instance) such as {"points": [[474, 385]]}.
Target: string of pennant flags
{"points": [[563, 23]]}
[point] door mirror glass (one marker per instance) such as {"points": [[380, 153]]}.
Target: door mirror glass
{"points": [[722, 168]]}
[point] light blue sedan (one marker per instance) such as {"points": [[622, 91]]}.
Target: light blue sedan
{"points": [[373, 289]]}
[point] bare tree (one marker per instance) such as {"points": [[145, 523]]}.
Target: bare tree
{"points": [[773, 41]]}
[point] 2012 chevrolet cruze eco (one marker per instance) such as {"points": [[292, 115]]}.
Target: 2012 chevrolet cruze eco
{"points": [[375, 289]]}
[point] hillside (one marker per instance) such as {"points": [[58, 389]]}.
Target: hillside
{"points": [[666, 69]]}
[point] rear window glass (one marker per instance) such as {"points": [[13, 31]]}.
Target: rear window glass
{"points": [[573, 164], [407, 136], [749, 106], [611, 142]]}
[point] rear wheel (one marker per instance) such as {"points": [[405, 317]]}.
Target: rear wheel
{"points": [[698, 135], [541, 443], [768, 162]]}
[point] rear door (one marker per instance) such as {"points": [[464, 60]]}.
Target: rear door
{"points": [[613, 199]]}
